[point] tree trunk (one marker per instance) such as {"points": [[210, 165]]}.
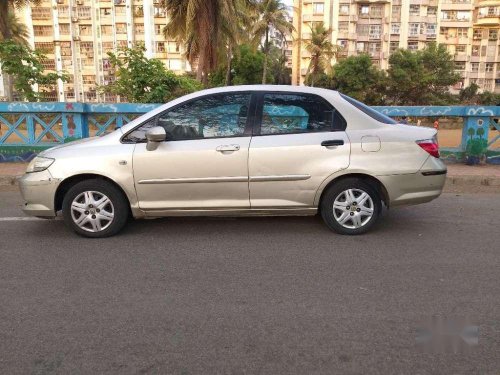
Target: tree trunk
{"points": [[7, 34], [266, 51], [229, 61]]}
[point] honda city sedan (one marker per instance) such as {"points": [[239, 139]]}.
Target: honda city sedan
{"points": [[234, 151]]}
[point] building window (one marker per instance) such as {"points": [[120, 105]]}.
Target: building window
{"points": [[64, 28], [361, 47], [121, 28], [430, 29], [63, 11], [120, 11], [477, 34], [87, 49], [362, 29], [431, 11], [460, 48], [412, 46], [88, 79], [395, 28], [139, 11], [107, 47], [84, 12], [105, 12], [364, 10], [45, 47], [175, 64], [414, 10], [106, 30], [66, 49], [376, 11], [43, 30], [462, 32], [41, 13], [493, 34], [157, 29], [160, 47], [393, 47], [139, 28], [489, 67], [49, 64], [344, 9], [121, 44], [85, 30], [318, 8], [159, 11], [343, 26], [460, 65], [375, 31], [414, 29], [474, 67]]}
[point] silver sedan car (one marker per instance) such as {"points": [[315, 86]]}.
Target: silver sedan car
{"points": [[245, 150]]}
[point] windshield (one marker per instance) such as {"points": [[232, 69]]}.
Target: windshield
{"points": [[380, 117]]}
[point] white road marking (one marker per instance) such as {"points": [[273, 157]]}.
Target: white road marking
{"points": [[25, 218]]}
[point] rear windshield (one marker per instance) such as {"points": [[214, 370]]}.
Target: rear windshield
{"points": [[369, 111]]}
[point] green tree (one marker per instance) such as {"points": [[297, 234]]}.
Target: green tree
{"points": [[271, 15], [26, 69], [356, 76], [468, 95], [488, 98], [421, 77], [203, 27], [322, 51], [143, 80], [246, 68]]}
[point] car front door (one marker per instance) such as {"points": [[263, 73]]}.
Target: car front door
{"points": [[298, 142], [203, 164]]}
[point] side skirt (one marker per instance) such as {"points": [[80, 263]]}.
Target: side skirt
{"points": [[234, 212]]}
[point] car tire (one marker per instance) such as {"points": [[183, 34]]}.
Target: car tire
{"points": [[95, 208], [351, 206]]}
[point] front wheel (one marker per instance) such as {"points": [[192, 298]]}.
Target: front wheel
{"points": [[95, 208], [351, 206]]}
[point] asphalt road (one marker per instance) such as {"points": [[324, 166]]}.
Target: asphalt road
{"points": [[251, 295]]}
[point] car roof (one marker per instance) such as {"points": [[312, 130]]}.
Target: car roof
{"points": [[287, 88]]}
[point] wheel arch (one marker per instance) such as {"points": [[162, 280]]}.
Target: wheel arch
{"points": [[69, 182], [375, 182]]}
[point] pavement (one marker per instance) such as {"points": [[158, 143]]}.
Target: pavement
{"points": [[461, 178], [249, 295]]}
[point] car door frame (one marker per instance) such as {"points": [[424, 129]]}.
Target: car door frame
{"points": [[247, 133], [259, 112]]}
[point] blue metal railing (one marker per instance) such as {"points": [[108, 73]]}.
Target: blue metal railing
{"points": [[26, 128]]}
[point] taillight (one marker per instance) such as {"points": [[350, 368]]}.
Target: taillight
{"points": [[430, 145]]}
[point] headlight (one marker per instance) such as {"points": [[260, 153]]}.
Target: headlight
{"points": [[39, 164]]}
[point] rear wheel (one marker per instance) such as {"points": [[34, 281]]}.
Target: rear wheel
{"points": [[351, 206], [95, 208]]}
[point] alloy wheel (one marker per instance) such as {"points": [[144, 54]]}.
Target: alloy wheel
{"points": [[92, 211], [353, 208]]}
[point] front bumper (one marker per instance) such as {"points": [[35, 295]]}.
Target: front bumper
{"points": [[38, 190], [415, 188]]}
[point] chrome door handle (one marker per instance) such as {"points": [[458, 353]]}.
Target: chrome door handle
{"points": [[228, 148]]}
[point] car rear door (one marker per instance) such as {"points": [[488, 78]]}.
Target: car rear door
{"points": [[299, 140]]}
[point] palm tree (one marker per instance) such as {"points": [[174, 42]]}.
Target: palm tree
{"points": [[10, 28], [203, 26], [271, 15], [19, 31], [322, 51]]}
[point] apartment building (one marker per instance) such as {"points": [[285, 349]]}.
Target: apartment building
{"points": [[76, 35], [468, 28]]}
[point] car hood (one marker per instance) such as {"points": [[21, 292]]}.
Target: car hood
{"points": [[82, 143]]}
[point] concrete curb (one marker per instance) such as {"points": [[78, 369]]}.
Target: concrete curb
{"points": [[450, 180]]}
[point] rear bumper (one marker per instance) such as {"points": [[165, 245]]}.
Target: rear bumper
{"points": [[38, 191], [421, 187]]}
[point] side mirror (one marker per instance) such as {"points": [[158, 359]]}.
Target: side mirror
{"points": [[154, 137]]}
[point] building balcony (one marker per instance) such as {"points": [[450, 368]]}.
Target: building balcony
{"points": [[461, 57], [456, 5], [487, 20], [313, 18]]}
